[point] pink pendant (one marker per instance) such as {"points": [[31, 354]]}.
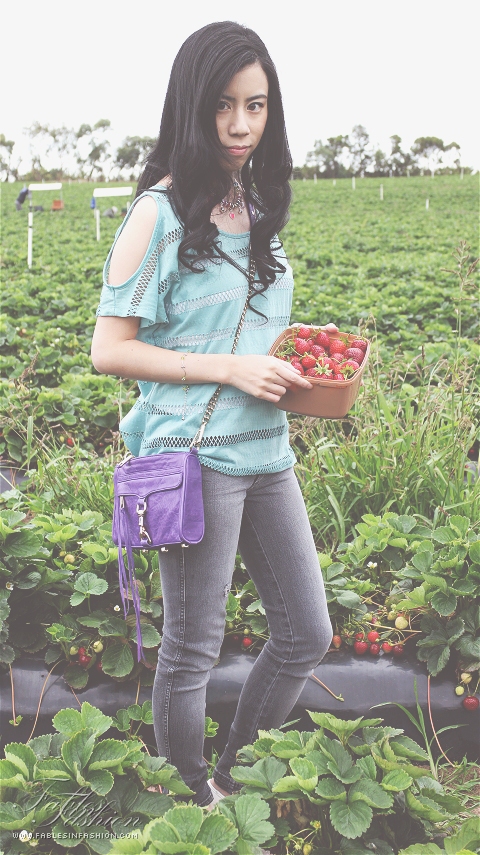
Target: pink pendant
{"points": [[232, 216]]}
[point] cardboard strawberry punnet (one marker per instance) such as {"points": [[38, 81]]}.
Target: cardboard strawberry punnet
{"points": [[332, 360]]}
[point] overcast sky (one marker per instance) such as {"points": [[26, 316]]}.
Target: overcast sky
{"points": [[407, 68]]}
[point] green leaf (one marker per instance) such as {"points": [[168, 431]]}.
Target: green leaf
{"points": [[13, 817], [460, 524], [319, 760], [252, 813], [396, 781], [404, 523], [422, 561], [217, 833], [403, 746], [444, 534], [76, 676], [467, 837], [350, 820], [23, 757], [100, 781], [474, 551], [122, 721], [367, 767], [424, 808], [117, 660], [371, 793], [263, 774], [331, 789], [444, 603], [348, 599], [150, 636], [77, 750], [107, 753], [422, 849], [22, 544], [340, 764], [287, 748], [53, 767], [305, 771], [10, 775], [89, 583]]}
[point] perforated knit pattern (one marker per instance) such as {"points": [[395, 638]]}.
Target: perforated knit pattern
{"points": [[199, 312]]}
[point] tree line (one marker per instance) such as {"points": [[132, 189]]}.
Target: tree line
{"points": [[354, 154], [86, 153]]}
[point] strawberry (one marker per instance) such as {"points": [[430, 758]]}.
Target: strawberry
{"points": [[301, 346], [326, 362], [83, 659], [70, 442], [298, 367], [398, 650], [308, 361], [401, 622], [323, 340], [82, 650], [373, 635], [247, 642], [471, 703], [313, 372], [360, 636], [337, 641], [337, 346], [386, 647], [304, 332], [374, 649], [360, 343], [354, 353], [317, 351], [338, 377], [350, 366], [360, 647]]}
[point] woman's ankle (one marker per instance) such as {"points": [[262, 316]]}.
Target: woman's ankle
{"points": [[219, 788]]}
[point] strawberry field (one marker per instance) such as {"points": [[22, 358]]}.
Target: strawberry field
{"points": [[392, 491]]}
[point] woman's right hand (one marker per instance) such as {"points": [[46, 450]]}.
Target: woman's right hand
{"points": [[264, 377]]}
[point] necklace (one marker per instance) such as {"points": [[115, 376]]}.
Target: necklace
{"points": [[237, 203]]}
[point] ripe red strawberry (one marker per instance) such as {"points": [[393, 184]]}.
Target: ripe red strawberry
{"points": [[351, 364], [373, 635], [471, 703], [83, 659], [338, 377], [308, 361], [326, 362], [301, 345], [337, 641], [337, 346], [70, 442], [398, 650], [360, 343], [313, 372], [323, 340], [82, 650], [374, 649], [360, 636], [247, 642], [336, 356], [317, 351], [299, 367], [354, 353], [386, 647], [360, 647], [304, 332]]}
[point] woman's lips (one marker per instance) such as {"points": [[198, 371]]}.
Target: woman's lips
{"points": [[237, 150]]}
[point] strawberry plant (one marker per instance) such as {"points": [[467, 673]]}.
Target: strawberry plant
{"points": [[367, 785]]}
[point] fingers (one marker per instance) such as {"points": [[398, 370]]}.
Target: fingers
{"points": [[294, 376]]}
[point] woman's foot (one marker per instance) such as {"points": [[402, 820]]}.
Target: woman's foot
{"points": [[217, 794]]}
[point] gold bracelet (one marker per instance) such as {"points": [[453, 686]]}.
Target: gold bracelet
{"points": [[182, 365]]}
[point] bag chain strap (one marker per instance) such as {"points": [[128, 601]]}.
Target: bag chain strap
{"points": [[197, 439]]}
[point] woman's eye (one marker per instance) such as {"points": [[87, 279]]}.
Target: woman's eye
{"points": [[255, 107], [222, 106]]}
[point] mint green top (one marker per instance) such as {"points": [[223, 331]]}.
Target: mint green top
{"points": [[199, 312]]}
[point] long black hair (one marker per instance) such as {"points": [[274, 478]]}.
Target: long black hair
{"points": [[188, 147]]}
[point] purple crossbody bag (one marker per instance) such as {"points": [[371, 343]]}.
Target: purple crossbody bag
{"points": [[158, 499]]}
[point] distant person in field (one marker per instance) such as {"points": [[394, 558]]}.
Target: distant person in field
{"points": [[24, 193], [215, 191]]}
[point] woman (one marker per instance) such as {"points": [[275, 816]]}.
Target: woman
{"points": [[174, 287]]}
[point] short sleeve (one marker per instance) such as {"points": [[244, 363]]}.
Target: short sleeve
{"points": [[143, 294]]}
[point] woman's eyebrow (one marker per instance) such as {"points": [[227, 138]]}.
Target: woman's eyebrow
{"points": [[252, 97]]}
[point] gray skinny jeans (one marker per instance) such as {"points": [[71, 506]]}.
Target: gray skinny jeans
{"points": [[264, 516]]}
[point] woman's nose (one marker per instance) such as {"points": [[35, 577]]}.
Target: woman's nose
{"points": [[239, 124]]}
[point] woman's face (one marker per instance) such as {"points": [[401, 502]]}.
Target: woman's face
{"points": [[241, 115]]}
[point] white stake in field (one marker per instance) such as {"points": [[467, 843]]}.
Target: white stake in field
{"points": [[34, 188], [102, 192]]}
